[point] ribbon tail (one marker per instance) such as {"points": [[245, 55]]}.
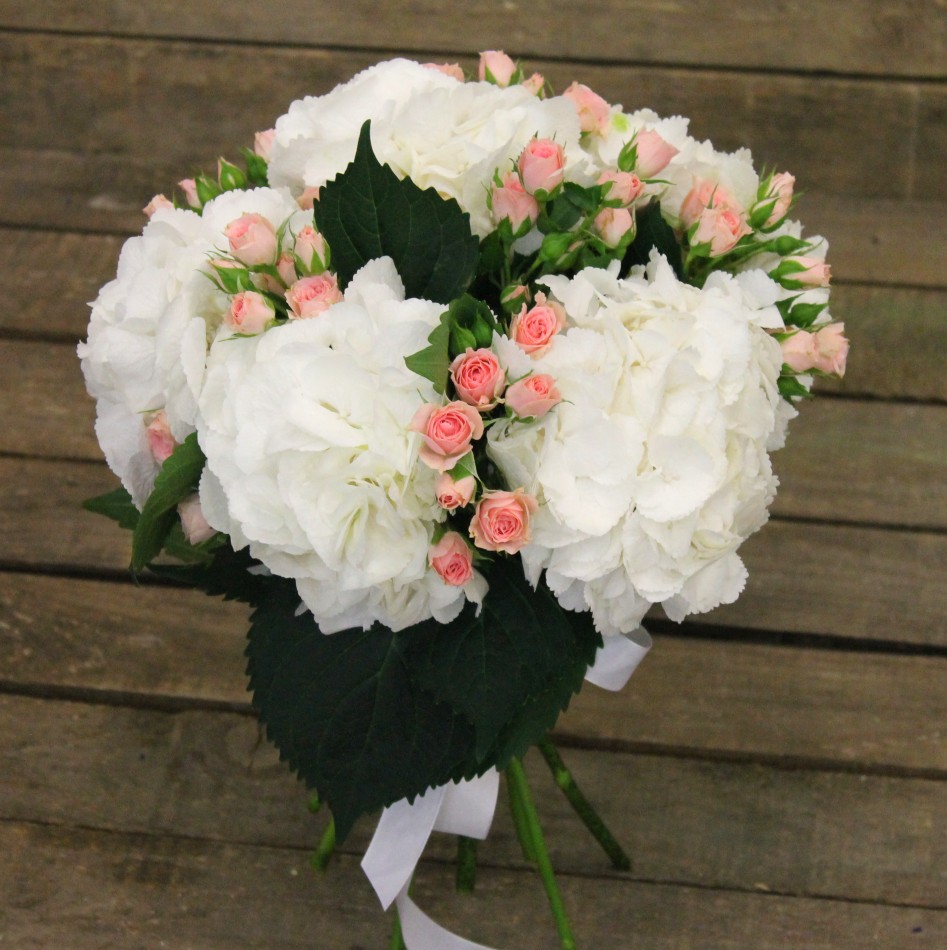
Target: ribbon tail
{"points": [[422, 933], [618, 658]]}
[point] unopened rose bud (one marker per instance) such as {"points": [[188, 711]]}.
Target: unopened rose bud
{"points": [[615, 226], [512, 298], [534, 84], [799, 351], [159, 202], [496, 67], [189, 187], [448, 69], [193, 523], [510, 201], [809, 272], [263, 143], [308, 198], [721, 228], [831, 349], [778, 199], [160, 440], [252, 239], [542, 167], [310, 248], [593, 111], [653, 153], [625, 187]]}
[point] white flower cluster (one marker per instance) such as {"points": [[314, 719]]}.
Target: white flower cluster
{"points": [[310, 460], [655, 468]]}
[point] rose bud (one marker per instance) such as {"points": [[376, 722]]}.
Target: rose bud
{"points": [[532, 330], [310, 248], [653, 153], [534, 84], [721, 228], [308, 198], [799, 351], [448, 69], [501, 520], [250, 312], [533, 396], [780, 194], [478, 378], [594, 112], [542, 167], [447, 432], [159, 202], [496, 67], [189, 187], [705, 194], [811, 273], [286, 268], [263, 143], [160, 440], [615, 226], [193, 523], [252, 239], [310, 296], [623, 186], [831, 349], [452, 494], [510, 201], [452, 559], [513, 297]]}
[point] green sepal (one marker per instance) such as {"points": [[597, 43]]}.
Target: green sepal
{"points": [[790, 387], [207, 189], [232, 280], [803, 315], [786, 244], [178, 478], [367, 212], [256, 167], [229, 176]]}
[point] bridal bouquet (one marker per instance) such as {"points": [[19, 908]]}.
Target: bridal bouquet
{"points": [[452, 381]]}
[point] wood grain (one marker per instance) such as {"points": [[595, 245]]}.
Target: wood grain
{"points": [[867, 36]]}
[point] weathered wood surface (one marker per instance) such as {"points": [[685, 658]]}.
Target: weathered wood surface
{"points": [[778, 768]]}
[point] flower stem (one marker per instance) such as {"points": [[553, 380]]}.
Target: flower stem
{"points": [[583, 807], [519, 822], [323, 853], [397, 939], [525, 813], [466, 864]]}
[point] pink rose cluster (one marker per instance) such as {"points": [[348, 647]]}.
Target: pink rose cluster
{"points": [[274, 275]]}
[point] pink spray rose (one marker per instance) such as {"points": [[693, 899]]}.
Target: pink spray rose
{"points": [[533, 396], [189, 187], [624, 186], [831, 349], [780, 191], [653, 153], [310, 248], [704, 195], [613, 224], [511, 201], [286, 268], [501, 520], [160, 440], [532, 330], [252, 239], [452, 559], [447, 432], [799, 351], [496, 67], [310, 296], [263, 143], [250, 312], [542, 166], [454, 494], [156, 203], [534, 84], [448, 69], [308, 198], [721, 227], [594, 112], [193, 523], [814, 273], [478, 378]]}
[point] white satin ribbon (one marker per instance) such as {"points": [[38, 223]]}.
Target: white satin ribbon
{"points": [[463, 808]]}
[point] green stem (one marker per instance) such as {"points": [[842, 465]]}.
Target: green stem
{"points": [[516, 779], [583, 807], [466, 864], [323, 853], [397, 939], [519, 823]]}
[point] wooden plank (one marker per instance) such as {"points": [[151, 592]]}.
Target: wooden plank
{"points": [[899, 334], [98, 890], [894, 38], [206, 776], [118, 97], [718, 696]]}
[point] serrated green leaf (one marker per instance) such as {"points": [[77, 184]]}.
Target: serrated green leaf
{"points": [[433, 362], [790, 387], [178, 478], [654, 232], [368, 212], [117, 505], [344, 713], [487, 664]]}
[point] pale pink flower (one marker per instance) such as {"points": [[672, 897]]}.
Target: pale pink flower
{"points": [[613, 224], [452, 494], [250, 312], [533, 396], [448, 69], [310, 248], [532, 330], [780, 190], [452, 559], [705, 194], [624, 186], [286, 268], [653, 153], [159, 202], [193, 523], [160, 440], [263, 143], [814, 273], [721, 227], [189, 187], [310, 296], [534, 84], [831, 349], [478, 378], [308, 198], [593, 111], [514, 296], [501, 520], [447, 433], [542, 166], [252, 239], [495, 66], [511, 201], [799, 352]]}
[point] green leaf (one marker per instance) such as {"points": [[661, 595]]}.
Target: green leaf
{"points": [[343, 711], [654, 232], [790, 387], [256, 167], [433, 362], [486, 666], [368, 212], [227, 574], [117, 505], [178, 478], [805, 314]]}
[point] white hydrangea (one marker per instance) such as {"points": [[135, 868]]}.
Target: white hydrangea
{"points": [[150, 328], [654, 468], [443, 134], [310, 461]]}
